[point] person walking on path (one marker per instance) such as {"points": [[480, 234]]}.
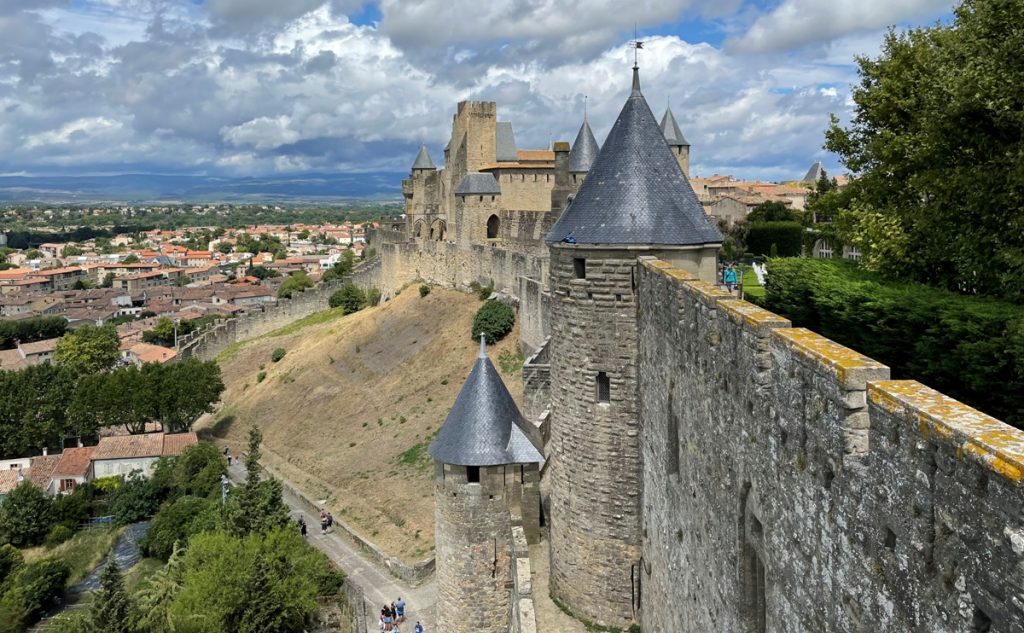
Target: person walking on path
{"points": [[400, 609], [729, 277], [418, 628], [330, 521], [302, 527], [323, 522]]}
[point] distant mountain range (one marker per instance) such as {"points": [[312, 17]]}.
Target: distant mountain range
{"points": [[143, 188]]}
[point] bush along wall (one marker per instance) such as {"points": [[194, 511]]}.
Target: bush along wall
{"points": [[971, 348], [786, 236]]}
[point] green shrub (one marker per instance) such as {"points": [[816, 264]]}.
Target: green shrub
{"points": [[494, 320], [136, 499], [484, 292], [786, 236], [76, 508], [278, 354], [295, 283], [970, 348], [58, 535], [31, 591], [350, 298], [10, 560], [25, 516], [260, 377], [177, 522], [106, 485], [424, 290], [373, 296]]}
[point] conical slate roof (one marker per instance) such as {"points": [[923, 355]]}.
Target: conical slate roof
{"points": [[423, 159], [814, 173], [484, 426], [635, 192], [584, 149], [669, 127]]}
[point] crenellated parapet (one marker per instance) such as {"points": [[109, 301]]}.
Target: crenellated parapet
{"points": [[791, 485]]}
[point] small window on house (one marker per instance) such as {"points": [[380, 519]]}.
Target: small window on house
{"points": [[473, 474], [579, 266], [603, 387]]}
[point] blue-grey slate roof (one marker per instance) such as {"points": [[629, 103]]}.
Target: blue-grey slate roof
{"points": [[423, 159], [505, 143], [670, 128], [814, 173], [484, 427], [635, 192], [584, 149], [476, 182]]}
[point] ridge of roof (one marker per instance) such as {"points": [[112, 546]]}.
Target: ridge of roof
{"points": [[635, 192], [476, 182]]}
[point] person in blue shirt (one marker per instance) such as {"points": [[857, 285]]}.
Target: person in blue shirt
{"points": [[729, 277], [418, 629], [400, 609]]}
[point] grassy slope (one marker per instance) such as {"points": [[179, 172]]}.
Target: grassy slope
{"points": [[83, 552], [347, 414]]}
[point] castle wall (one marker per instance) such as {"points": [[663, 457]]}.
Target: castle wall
{"points": [[790, 486], [473, 549], [526, 189]]}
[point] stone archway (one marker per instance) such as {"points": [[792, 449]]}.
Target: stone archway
{"points": [[493, 226], [438, 230]]}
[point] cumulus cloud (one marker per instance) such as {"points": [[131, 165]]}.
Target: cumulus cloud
{"points": [[795, 23], [260, 87]]}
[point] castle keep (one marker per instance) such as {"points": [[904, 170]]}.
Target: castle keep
{"points": [[706, 466]]}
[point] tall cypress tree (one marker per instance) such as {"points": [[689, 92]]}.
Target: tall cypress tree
{"points": [[112, 608]]}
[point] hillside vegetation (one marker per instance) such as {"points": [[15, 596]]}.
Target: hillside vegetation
{"points": [[349, 409]]}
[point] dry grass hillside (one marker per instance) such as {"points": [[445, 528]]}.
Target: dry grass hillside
{"points": [[348, 412]]}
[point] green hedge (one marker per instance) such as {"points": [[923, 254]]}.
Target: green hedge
{"points": [[494, 319], [786, 236], [967, 347]]}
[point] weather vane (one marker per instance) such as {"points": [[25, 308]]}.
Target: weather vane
{"points": [[637, 45]]}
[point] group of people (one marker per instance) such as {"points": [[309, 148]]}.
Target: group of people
{"points": [[392, 617], [326, 521]]}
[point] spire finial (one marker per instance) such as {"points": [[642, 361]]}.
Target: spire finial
{"points": [[584, 107], [483, 345], [637, 45]]}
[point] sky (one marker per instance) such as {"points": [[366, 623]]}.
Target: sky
{"points": [[278, 87]]}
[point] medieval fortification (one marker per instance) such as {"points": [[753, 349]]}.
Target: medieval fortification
{"points": [[696, 463]]}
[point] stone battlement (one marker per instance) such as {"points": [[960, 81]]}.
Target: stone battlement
{"points": [[790, 485]]}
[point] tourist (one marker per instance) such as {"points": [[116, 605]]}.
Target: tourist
{"points": [[302, 527], [729, 277], [330, 520], [400, 609], [418, 628], [388, 618], [323, 522]]}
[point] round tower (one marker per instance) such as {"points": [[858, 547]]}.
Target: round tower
{"points": [[483, 463], [634, 201]]}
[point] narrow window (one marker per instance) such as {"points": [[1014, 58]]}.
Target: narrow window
{"points": [[758, 613], [603, 387], [579, 266], [473, 474], [673, 439], [493, 224]]}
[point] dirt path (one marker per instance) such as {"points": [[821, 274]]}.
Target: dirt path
{"points": [[379, 587]]}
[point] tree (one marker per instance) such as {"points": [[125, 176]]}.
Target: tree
{"points": [[131, 259], [70, 251], [176, 522], [108, 281], [33, 408], [137, 498], [164, 331], [155, 599], [262, 272], [31, 330], [33, 254], [89, 349], [224, 247], [934, 146], [297, 282], [25, 516], [81, 284], [10, 560], [772, 211], [112, 609], [257, 505], [184, 391], [32, 590], [350, 298]]}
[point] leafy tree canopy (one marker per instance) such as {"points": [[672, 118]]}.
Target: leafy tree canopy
{"points": [[89, 349]]}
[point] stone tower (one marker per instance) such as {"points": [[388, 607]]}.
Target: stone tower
{"points": [[676, 141], [477, 215], [421, 193], [584, 153], [634, 201], [486, 475]]}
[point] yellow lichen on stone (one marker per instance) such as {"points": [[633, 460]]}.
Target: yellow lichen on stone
{"points": [[751, 314], [991, 442], [841, 360], [709, 291]]}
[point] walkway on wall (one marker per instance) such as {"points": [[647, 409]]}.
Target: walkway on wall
{"points": [[378, 585]]}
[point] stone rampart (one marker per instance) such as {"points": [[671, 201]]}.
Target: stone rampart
{"points": [[789, 485], [208, 343], [524, 616]]}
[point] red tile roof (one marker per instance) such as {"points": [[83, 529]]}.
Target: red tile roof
{"points": [[74, 462], [41, 471], [129, 446], [8, 480], [175, 443]]}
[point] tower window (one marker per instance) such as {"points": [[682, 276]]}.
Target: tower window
{"points": [[579, 266], [493, 223], [604, 387], [473, 474]]}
